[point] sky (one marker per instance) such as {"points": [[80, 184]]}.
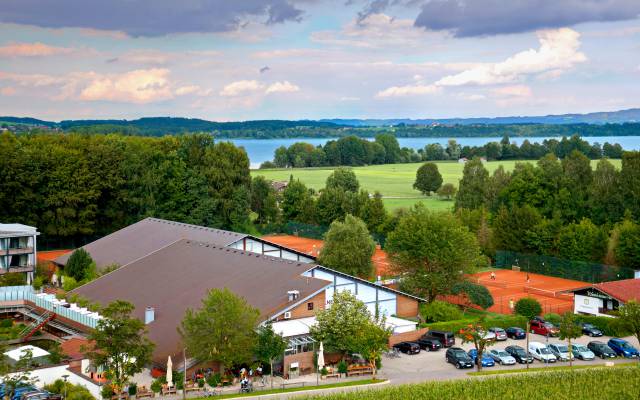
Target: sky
{"points": [[229, 60]]}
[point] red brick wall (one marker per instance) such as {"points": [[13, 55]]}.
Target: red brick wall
{"points": [[305, 361], [407, 336], [406, 306]]}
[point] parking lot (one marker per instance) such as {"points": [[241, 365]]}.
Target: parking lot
{"points": [[432, 365]]}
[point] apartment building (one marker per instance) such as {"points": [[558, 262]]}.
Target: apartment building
{"points": [[18, 249]]}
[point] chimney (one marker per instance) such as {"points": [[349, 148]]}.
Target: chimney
{"points": [[293, 295], [149, 315]]}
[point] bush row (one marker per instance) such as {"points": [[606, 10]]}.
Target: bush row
{"points": [[502, 321]]}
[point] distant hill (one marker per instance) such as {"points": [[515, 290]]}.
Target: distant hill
{"points": [[612, 117], [616, 123]]}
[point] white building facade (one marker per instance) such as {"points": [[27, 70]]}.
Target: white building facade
{"points": [[18, 249]]}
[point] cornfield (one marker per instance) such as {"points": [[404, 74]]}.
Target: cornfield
{"points": [[591, 384]]}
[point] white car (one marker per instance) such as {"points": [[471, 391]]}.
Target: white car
{"points": [[541, 352], [502, 357], [488, 335], [561, 351]]}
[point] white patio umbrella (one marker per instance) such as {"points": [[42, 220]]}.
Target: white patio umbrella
{"points": [[169, 372], [321, 357]]}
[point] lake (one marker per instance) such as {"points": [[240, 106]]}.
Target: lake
{"points": [[261, 150]]}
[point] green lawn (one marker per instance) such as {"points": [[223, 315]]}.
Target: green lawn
{"points": [[392, 180]]}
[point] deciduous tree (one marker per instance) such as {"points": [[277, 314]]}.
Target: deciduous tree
{"points": [[270, 346], [120, 344], [569, 329], [222, 330], [428, 178], [528, 307], [348, 247], [431, 251], [476, 333]]}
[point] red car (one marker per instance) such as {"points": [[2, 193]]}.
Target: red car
{"points": [[543, 328]]}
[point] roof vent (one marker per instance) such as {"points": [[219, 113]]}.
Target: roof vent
{"points": [[293, 295]]}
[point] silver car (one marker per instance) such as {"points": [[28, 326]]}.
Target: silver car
{"points": [[500, 333], [502, 357], [561, 351], [582, 352]]}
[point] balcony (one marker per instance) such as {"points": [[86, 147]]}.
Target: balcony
{"points": [[19, 250], [19, 268]]}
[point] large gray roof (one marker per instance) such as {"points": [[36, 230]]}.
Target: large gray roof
{"points": [[138, 240], [178, 277]]}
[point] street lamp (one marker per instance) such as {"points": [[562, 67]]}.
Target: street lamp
{"points": [[65, 376]]}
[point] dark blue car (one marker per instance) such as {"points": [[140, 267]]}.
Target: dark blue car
{"points": [[486, 360], [516, 333], [623, 348]]}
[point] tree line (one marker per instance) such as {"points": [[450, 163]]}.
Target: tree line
{"points": [[556, 207], [79, 187], [270, 129], [385, 149]]}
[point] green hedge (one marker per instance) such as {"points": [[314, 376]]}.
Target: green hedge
{"points": [[586, 384], [609, 326], [503, 321]]}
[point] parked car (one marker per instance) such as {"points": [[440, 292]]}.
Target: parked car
{"points": [[516, 333], [429, 344], [582, 352], [407, 347], [541, 352], [500, 333], [502, 357], [445, 337], [591, 330], [561, 351], [600, 349], [544, 328], [623, 348], [519, 354], [488, 335], [487, 361], [458, 357]]}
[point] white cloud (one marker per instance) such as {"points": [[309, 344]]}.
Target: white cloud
{"points": [[249, 87], [282, 87], [36, 49], [408, 90], [349, 98], [513, 91], [559, 51], [138, 86], [192, 89], [241, 87]]}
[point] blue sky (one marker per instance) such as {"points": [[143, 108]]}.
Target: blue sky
{"points": [[310, 59]]}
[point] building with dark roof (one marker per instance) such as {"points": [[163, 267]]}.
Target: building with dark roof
{"points": [[168, 267], [603, 298], [150, 234], [178, 276]]}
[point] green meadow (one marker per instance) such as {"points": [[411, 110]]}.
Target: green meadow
{"points": [[394, 181]]}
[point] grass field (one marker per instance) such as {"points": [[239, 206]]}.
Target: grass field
{"points": [[394, 181]]}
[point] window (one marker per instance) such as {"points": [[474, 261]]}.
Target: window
{"points": [[310, 306]]}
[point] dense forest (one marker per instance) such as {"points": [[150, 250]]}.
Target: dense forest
{"points": [[556, 207], [385, 149], [270, 129], [78, 187]]}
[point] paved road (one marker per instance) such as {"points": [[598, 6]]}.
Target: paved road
{"points": [[428, 366]]}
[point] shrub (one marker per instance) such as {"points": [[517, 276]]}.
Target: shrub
{"points": [[609, 326], [553, 318], [38, 282], [156, 386], [502, 321], [324, 371], [69, 284], [214, 379], [200, 383], [6, 323], [133, 389], [440, 311], [107, 391], [78, 264], [342, 367]]}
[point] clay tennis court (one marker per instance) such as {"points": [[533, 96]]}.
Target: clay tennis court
{"points": [[313, 246], [509, 286]]}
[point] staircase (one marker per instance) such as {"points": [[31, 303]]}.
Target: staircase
{"points": [[38, 322]]}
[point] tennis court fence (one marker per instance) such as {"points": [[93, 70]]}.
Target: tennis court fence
{"points": [[562, 268]]}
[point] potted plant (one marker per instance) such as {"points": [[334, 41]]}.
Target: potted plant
{"points": [[342, 368], [323, 372], [133, 389], [156, 386], [200, 383]]}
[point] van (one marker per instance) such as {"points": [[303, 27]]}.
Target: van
{"points": [[445, 337], [541, 352]]}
